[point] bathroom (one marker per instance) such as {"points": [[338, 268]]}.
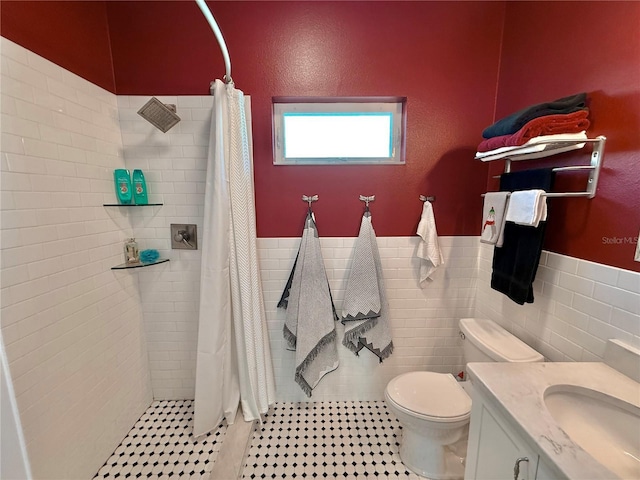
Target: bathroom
{"points": [[89, 349]]}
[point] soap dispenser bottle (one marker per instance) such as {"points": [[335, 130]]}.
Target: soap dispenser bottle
{"points": [[139, 188], [122, 179]]}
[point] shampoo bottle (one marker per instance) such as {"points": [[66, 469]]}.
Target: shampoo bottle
{"points": [[122, 180], [139, 188]]}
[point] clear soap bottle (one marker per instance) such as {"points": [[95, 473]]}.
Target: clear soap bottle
{"points": [[131, 252]]}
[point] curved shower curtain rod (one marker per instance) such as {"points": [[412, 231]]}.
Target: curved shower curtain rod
{"points": [[216, 31]]}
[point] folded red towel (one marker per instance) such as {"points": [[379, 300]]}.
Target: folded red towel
{"points": [[574, 122]]}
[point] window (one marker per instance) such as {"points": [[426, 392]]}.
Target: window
{"points": [[312, 131]]}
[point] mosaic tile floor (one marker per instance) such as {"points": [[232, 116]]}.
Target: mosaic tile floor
{"points": [[160, 446], [335, 440]]}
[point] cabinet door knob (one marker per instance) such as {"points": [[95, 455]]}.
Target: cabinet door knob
{"points": [[516, 467]]}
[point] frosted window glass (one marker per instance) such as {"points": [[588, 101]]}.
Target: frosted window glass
{"points": [[338, 135], [346, 131]]}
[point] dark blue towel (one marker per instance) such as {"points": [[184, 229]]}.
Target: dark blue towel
{"points": [[516, 262], [514, 122]]}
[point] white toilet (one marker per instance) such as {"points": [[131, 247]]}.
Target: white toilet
{"points": [[434, 409]]}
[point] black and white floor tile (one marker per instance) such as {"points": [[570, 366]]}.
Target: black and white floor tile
{"points": [[327, 440], [161, 446]]}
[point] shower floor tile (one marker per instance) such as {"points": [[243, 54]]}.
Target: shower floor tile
{"points": [[334, 440], [161, 446]]}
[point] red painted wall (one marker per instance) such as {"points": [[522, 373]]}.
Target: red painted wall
{"points": [[73, 35], [553, 49], [442, 55]]}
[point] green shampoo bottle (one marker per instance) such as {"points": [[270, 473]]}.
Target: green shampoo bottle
{"points": [[122, 179], [139, 188]]}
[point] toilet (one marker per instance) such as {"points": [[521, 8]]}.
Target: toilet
{"points": [[434, 408]]}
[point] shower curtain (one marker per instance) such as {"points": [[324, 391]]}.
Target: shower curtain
{"points": [[233, 358]]}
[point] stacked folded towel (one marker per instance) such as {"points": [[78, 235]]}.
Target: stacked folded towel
{"points": [[537, 147], [514, 122], [548, 125], [565, 116]]}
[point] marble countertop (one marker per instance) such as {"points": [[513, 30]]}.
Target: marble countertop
{"points": [[518, 391]]}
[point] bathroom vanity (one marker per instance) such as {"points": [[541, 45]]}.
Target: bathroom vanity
{"points": [[553, 421]]}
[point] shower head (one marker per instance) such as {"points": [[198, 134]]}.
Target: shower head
{"points": [[160, 115]]}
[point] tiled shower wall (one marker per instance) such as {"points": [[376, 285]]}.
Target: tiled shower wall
{"points": [[578, 305], [72, 329], [174, 164]]}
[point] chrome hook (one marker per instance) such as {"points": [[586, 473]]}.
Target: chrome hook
{"points": [[309, 199], [366, 201]]}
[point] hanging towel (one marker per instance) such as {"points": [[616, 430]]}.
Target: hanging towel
{"points": [[309, 324], [527, 207], [493, 218], [428, 248], [516, 263], [569, 123], [514, 122], [365, 307]]}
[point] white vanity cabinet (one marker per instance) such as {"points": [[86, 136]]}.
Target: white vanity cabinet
{"points": [[495, 448]]}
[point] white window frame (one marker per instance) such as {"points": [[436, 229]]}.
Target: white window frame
{"points": [[396, 106]]}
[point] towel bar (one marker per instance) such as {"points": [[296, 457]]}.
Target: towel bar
{"points": [[593, 168]]}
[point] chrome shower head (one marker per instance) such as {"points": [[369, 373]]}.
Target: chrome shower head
{"points": [[160, 115]]}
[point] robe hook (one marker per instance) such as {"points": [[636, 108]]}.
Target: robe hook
{"points": [[309, 199], [366, 201]]}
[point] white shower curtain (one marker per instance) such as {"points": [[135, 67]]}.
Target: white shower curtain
{"points": [[233, 358]]}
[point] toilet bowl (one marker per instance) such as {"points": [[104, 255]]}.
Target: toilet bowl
{"points": [[434, 409], [434, 412]]}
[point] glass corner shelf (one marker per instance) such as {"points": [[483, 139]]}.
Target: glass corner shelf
{"points": [[132, 204], [124, 266]]}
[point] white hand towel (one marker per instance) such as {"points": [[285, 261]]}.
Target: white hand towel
{"points": [[494, 218], [428, 249], [527, 207]]}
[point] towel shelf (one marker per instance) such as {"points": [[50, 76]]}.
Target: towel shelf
{"points": [[593, 168]]}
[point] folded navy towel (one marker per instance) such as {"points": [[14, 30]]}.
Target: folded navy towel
{"points": [[514, 122]]}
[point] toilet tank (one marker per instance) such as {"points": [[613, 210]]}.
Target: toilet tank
{"points": [[486, 341]]}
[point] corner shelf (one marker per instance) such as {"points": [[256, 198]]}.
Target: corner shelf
{"points": [[132, 204], [124, 266]]}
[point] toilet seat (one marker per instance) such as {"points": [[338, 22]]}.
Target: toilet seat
{"points": [[435, 397]]}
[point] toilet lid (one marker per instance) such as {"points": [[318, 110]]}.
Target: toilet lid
{"points": [[430, 394]]}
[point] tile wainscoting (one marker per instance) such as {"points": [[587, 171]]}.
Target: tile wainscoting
{"points": [[577, 306], [424, 322]]}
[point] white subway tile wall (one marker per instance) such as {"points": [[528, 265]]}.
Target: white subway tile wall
{"points": [[174, 165], [578, 306], [72, 328]]}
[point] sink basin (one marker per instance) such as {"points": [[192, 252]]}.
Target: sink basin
{"points": [[605, 427]]}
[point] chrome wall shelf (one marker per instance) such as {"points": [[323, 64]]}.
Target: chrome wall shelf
{"points": [[560, 146]]}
